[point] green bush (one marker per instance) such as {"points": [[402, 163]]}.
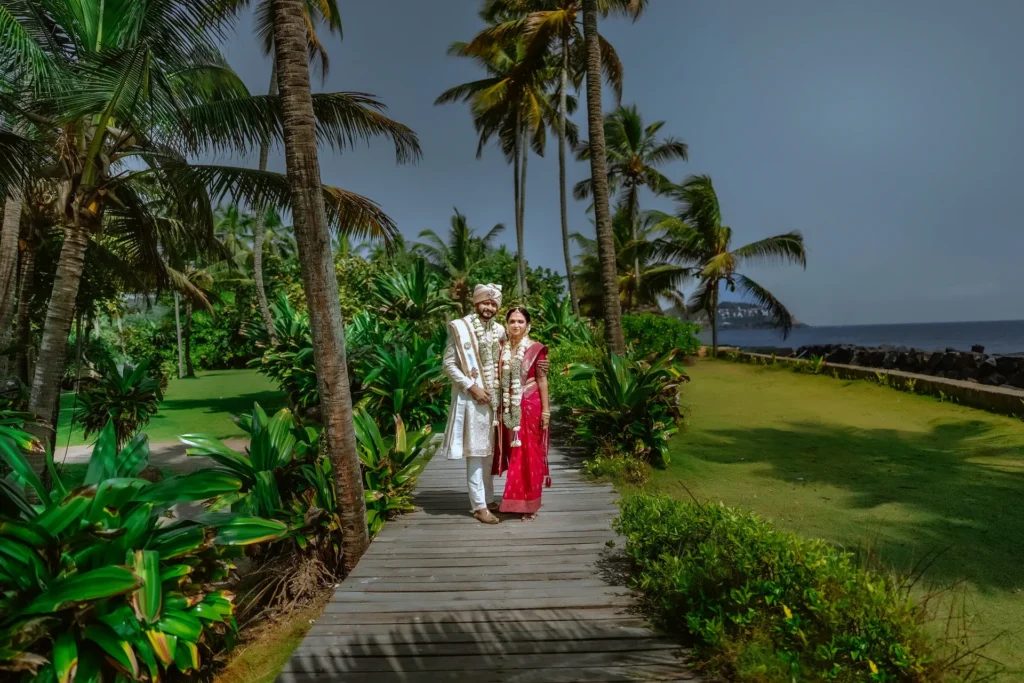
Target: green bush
{"points": [[406, 380], [563, 391], [651, 336], [128, 398], [631, 406], [100, 579], [764, 606]]}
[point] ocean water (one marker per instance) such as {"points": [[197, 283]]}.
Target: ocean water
{"points": [[999, 337]]}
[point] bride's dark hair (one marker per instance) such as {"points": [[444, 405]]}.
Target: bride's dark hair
{"points": [[518, 309]]}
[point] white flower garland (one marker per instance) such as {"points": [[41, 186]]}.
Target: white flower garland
{"points": [[512, 387], [488, 360]]}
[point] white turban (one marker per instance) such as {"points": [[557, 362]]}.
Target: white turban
{"points": [[487, 293]]}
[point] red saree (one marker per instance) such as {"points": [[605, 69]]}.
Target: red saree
{"points": [[527, 465]]}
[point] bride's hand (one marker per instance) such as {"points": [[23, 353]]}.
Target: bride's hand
{"points": [[545, 421]]}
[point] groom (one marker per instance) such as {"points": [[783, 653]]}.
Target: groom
{"points": [[471, 363]]}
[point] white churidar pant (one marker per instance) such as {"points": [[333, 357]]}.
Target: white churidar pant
{"points": [[480, 481]]}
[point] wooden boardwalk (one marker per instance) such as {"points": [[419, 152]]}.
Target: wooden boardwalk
{"points": [[441, 597]]}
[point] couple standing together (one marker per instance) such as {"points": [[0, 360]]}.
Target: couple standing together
{"points": [[499, 413]]}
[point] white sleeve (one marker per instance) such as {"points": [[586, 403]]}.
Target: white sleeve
{"points": [[451, 365]]}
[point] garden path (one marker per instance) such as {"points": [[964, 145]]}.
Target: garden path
{"points": [[440, 597]]}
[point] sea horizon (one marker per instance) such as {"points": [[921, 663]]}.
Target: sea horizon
{"points": [[997, 336]]}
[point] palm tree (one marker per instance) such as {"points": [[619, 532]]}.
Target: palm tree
{"points": [[547, 26], [128, 95], [599, 166], [643, 277], [512, 104], [318, 274], [316, 12], [459, 257], [695, 235], [634, 154]]}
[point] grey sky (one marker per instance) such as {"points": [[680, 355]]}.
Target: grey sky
{"points": [[888, 132]]}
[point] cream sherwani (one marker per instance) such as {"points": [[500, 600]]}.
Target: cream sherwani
{"points": [[470, 431]]}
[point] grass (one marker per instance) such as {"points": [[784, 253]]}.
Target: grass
{"points": [[203, 404], [266, 649], [869, 467]]}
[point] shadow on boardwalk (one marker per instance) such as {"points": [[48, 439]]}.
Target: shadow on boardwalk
{"points": [[440, 597]]}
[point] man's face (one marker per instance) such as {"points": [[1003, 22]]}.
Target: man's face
{"points": [[487, 309]]}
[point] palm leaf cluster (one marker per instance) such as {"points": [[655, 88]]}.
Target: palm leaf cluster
{"points": [[460, 257]]}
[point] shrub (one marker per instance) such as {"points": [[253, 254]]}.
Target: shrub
{"points": [[99, 579], [390, 467], [290, 361], [564, 392], [127, 398], [652, 336], [406, 380], [634, 405], [555, 323], [767, 606]]}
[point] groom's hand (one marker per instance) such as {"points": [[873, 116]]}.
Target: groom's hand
{"points": [[480, 395]]}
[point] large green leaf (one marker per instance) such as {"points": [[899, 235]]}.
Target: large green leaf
{"points": [[182, 541], [16, 460], [102, 463], [201, 444], [65, 656], [234, 530], [134, 456], [147, 600], [194, 486], [69, 511], [180, 624], [116, 649], [164, 645], [23, 563], [94, 585]]}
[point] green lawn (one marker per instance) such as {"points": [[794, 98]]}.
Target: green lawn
{"points": [[203, 404], [866, 466]]}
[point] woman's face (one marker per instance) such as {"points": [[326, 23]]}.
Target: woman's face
{"points": [[516, 325]]}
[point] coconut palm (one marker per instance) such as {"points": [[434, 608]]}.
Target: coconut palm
{"points": [[319, 279], [599, 164], [551, 27], [634, 154], [695, 236], [642, 276], [513, 104], [129, 90], [459, 257]]}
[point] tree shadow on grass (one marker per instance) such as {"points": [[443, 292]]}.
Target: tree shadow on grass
{"points": [[959, 488], [270, 401]]}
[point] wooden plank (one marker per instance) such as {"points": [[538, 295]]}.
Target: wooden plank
{"points": [[497, 618], [420, 598], [371, 647], [471, 633], [476, 662], [479, 605], [600, 674]]}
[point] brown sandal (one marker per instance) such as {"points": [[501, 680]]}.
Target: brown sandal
{"points": [[485, 517]]}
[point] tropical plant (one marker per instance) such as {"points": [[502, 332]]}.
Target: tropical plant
{"points": [[98, 585], [406, 380], [125, 397], [634, 155], [128, 94], [391, 465], [599, 164], [556, 323], [289, 361], [696, 236], [284, 476], [460, 257], [643, 276], [416, 294], [633, 406]]}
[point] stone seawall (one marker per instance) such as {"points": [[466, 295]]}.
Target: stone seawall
{"points": [[967, 366], [998, 399]]}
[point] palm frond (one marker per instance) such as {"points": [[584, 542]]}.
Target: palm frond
{"points": [[788, 247], [780, 315]]}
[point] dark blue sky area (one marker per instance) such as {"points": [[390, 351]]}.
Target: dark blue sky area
{"points": [[888, 132]]}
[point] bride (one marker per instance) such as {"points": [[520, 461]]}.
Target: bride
{"points": [[522, 445]]}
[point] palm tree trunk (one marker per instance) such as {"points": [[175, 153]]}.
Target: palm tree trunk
{"points": [[634, 221], [714, 322], [525, 288], [45, 392], [319, 279], [28, 273], [517, 184], [8, 275], [599, 179], [189, 370], [177, 329], [563, 106], [259, 232]]}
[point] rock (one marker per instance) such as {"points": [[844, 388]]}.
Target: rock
{"points": [[1016, 380], [994, 380], [977, 348]]}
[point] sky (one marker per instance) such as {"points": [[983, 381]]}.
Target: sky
{"points": [[888, 133]]}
